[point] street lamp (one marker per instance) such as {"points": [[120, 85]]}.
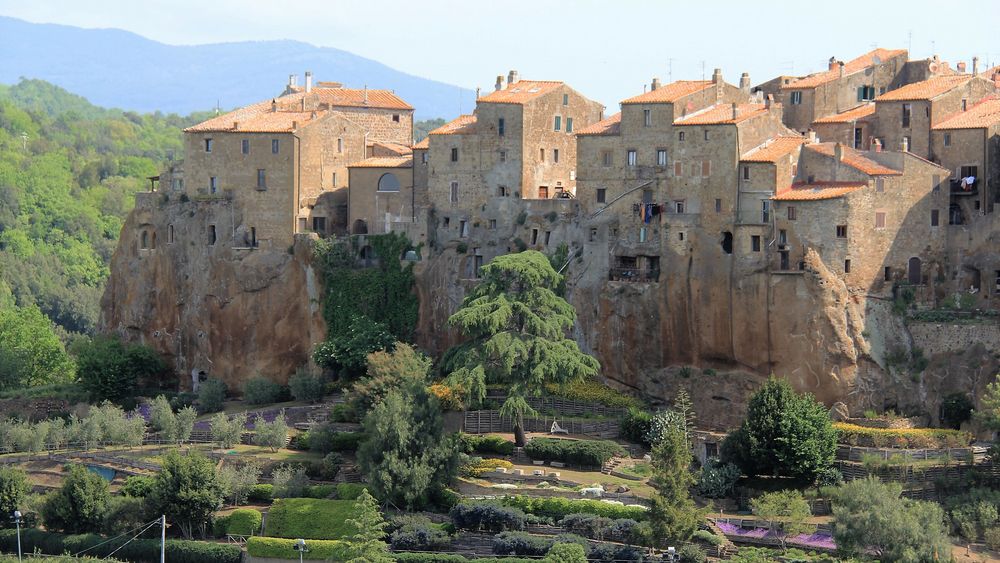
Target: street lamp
{"points": [[300, 546], [671, 554], [17, 522]]}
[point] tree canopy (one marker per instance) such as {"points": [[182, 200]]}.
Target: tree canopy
{"points": [[188, 491], [30, 352]]}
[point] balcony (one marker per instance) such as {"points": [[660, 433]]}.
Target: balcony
{"points": [[958, 190], [634, 275]]}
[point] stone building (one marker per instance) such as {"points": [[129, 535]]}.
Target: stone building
{"points": [[283, 162], [381, 196], [968, 145]]}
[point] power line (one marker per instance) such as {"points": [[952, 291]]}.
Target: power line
{"points": [[123, 534]]}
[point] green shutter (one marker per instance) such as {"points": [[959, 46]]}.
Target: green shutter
{"points": [[558, 122], [569, 124]]}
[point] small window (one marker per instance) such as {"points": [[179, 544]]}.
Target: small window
{"points": [[755, 243], [841, 231], [253, 237], [679, 206], [965, 104], [796, 98], [947, 139], [245, 146], [718, 205], [746, 172], [319, 225], [680, 136], [211, 234], [880, 185], [765, 211], [593, 235], [208, 145], [275, 144], [907, 112], [213, 184], [606, 158], [548, 237], [340, 145], [602, 195], [555, 155], [569, 124], [463, 228], [847, 266], [935, 218], [541, 155], [678, 169], [543, 192], [261, 179], [565, 99], [558, 124], [534, 236], [170, 234], [996, 275], [880, 219], [333, 180], [395, 117], [661, 157], [502, 191], [423, 157], [454, 154], [791, 212], [447, 222], [630, 157], [647, 118], [500, 127], [503, 156], [887, 274], [782, 238], [493, 224], [706, 168], [680, 235], [706, 134], [454, 192]]}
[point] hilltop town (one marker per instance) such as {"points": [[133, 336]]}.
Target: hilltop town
{"points": [[800, 226]]}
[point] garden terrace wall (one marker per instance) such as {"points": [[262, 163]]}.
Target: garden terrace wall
{"points": [[567, 407], [976, 454], [916, 477], [490, 421]]}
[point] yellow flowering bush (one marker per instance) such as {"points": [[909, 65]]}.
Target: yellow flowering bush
{"points": [[449, 397], [909, 438], [593, 391], [477, 467]]}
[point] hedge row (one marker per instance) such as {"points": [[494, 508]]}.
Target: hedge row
{"points": [[308, 518], [476, 467], [558, 508], [264, 492], [241, 522], [451, 558], [486, 516], [279, 548], [912, 438], [137, 551], [586, 453], [487, 444]]}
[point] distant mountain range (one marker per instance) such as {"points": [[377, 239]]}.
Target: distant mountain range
{"points": [[115, 68]]}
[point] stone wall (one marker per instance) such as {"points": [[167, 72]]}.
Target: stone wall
{"points": [[945, 338]]}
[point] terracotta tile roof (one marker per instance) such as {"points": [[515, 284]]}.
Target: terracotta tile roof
{"points": [[396, 148], [818, 190], [773, 149], [351, 97], [850, 67], [854, 114], [459, 125], [608, 126], [984, 113], [855, 159], [424, 144], [520, 92], [384, 162], [670, 93], [926, 90], [257, 118], [722, 114]]}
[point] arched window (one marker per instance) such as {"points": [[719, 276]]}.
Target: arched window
{"points": [[913, 271], [360, 227], [388, 183], [153, 246], [144, 239]]}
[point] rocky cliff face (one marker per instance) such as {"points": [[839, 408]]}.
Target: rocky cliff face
{"points": [[232, 313]]}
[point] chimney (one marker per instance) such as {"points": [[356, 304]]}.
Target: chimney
{"points": [[960, 67], [477, 92], [975, 65], [295, 125], [832, 64], [309, 81], [876, 145], [811, 135], [274, 105], [655, 84], [236, 125], [499, 84], [366, 94], [745, 82], [838, 152], [768, 101], [512, 77], [736, 111], [841, 65], [717, 76], [292, 81]]}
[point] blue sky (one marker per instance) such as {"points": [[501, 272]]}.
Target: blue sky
{"points": [[606, 50]]}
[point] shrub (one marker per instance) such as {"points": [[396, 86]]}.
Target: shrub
{"points": [[717, 479], [278, 548], [136, 486], [324, 439], [708, 537], [622, 530], [593, 391], [417, 533], [489, 444], [992, 538], [211, 395], [263, 492], [635, 426], [610, 553], [261, 391], [14, 487], [520, 543], [344, 412], [450, 398], [289, 481], [80, 504], [243, 522], [956, 408], [349, 491], [585, 453], [319, 491], [476, 467], [327, 468], [320, 519], [488, 517], [124, 514], [690, 554], [306, 387], [915, 438], [558, 508]]}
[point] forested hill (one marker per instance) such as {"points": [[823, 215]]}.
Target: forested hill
{"points": [[68, 172]]}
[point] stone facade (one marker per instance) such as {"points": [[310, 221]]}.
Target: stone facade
{"points": [[382, 199]]}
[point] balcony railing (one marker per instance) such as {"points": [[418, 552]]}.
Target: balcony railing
{"points": [[956, 188], [633, 275]]}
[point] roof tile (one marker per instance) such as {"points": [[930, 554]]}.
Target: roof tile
{"points": [[670, 93], [984, 113], [607, 126], [855, 159], [925, 90], [773, 149], [520, 92], [850, 67], [384, 162], [854, 114], [460, 125], [722, 114], [818, 190]]}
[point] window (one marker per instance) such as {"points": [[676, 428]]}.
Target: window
{"points": [[880, 219], [503, 156], [680, 136], [906, 143], [447, 222], [395, 117], [680, 235], [965, 104], [170, 234], [647, 118], [630, 157], [887, 274], [558, 125], [678, 169], [569, 124], [755, 243], [274, 146], [454, 154], [463, 228], [213, 184], [866, 93], [796, 98], [661, 157], [245, 146], [319, 224], [208, 145], [841, 231], [502, 191], [543, 192], [261, 179], [765, 211], [907, 111], [548, 237], [791, 212], [706, 168], [541, 155], [493, 224], [555, 155], [211, 234], [718, 205], [996, 274], [947, 139], [935, 218], [602, 195], [746, 172], [782, 238], [706, 134], [606, 158], [253, 237], [534, 236], [388, 182], [500, 127], [340, 145], [565, 99], [847, 266], [333, 180], [679, 206], [879, 185], [454, 193], [423, 157], [478, 262], [593, 235]]}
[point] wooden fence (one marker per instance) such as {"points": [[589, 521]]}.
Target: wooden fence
{"points": [[567, 407], [487, 421], [976, 454]]}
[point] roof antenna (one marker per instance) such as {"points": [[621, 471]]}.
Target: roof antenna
{"points": [[366, 94], [218, 107], [670, 70]]}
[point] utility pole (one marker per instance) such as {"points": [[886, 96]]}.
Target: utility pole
{"points": [[163, 538], [17, 522]]}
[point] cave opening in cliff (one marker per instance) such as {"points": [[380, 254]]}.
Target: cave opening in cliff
{"points": [[727, 242]]}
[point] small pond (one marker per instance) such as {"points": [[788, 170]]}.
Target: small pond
{"points": [[106, 473]]}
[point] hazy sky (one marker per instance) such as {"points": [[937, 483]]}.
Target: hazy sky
{"points": [[606, 50]]}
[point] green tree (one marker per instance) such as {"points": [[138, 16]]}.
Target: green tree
{"points": [[673, 516], [870, 518], [30, 352], [988, 413], [79, 505], [188, 491], [211, 395], [14, 487], [271, 434], [306, 386], [389, 370], [406, 456], [367, 544], [184, 424], [516, 328], [238, 480], [228, 431], [566, 553], [110, 369], [162, 418], [956, 408], [784, 433], [348, 350], [785, 509]]}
